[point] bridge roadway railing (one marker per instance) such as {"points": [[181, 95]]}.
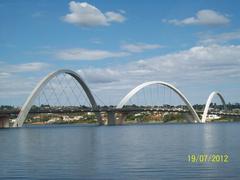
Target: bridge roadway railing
{"points": [[95, 110]]}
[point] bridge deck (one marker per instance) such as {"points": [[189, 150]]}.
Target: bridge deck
{"points": [[124, 110]]}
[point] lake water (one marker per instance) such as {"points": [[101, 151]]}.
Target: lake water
{"points": [[119, 152]]}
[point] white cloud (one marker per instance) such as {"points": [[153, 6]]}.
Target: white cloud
{"points": [[15, 85], [96, 54], [25, 67], [139, 47], [30, 67], [203, 17], [98, 75], [198, 63], [114, 17], [199, 66], [194, 67], [206, 39], [84, 14], [4, 75], [87, 54]]}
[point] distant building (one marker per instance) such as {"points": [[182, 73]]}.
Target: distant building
{"points": [[213, 117]]}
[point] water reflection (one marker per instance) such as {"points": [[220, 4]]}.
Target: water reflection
{"points": [[120, 152]]}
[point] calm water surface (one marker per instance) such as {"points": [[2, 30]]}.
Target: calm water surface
{"points": [[119, 152]]}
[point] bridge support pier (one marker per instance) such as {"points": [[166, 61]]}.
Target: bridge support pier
{"points": [[4, 121], [111, 118], [99, 118], [116, 118], [188, 117], [121, 117]]}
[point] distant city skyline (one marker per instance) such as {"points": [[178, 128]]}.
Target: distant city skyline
{"points": [[119, 45]]}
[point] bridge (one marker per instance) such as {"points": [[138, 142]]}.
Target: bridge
{"points": [[115, 115]]}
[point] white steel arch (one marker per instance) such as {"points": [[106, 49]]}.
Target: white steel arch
{"points": [[209, 100], [28, 104], [141, 86]]}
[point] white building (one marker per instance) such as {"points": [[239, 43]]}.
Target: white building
{"points": [[213, 117]]}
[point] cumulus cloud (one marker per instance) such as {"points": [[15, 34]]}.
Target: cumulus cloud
{"points": [[203, 17], [139, 47], [198, 65], [84, 14], [87, 54]]}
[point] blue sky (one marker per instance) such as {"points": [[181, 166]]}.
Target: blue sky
{"points": [[116, 45]]}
